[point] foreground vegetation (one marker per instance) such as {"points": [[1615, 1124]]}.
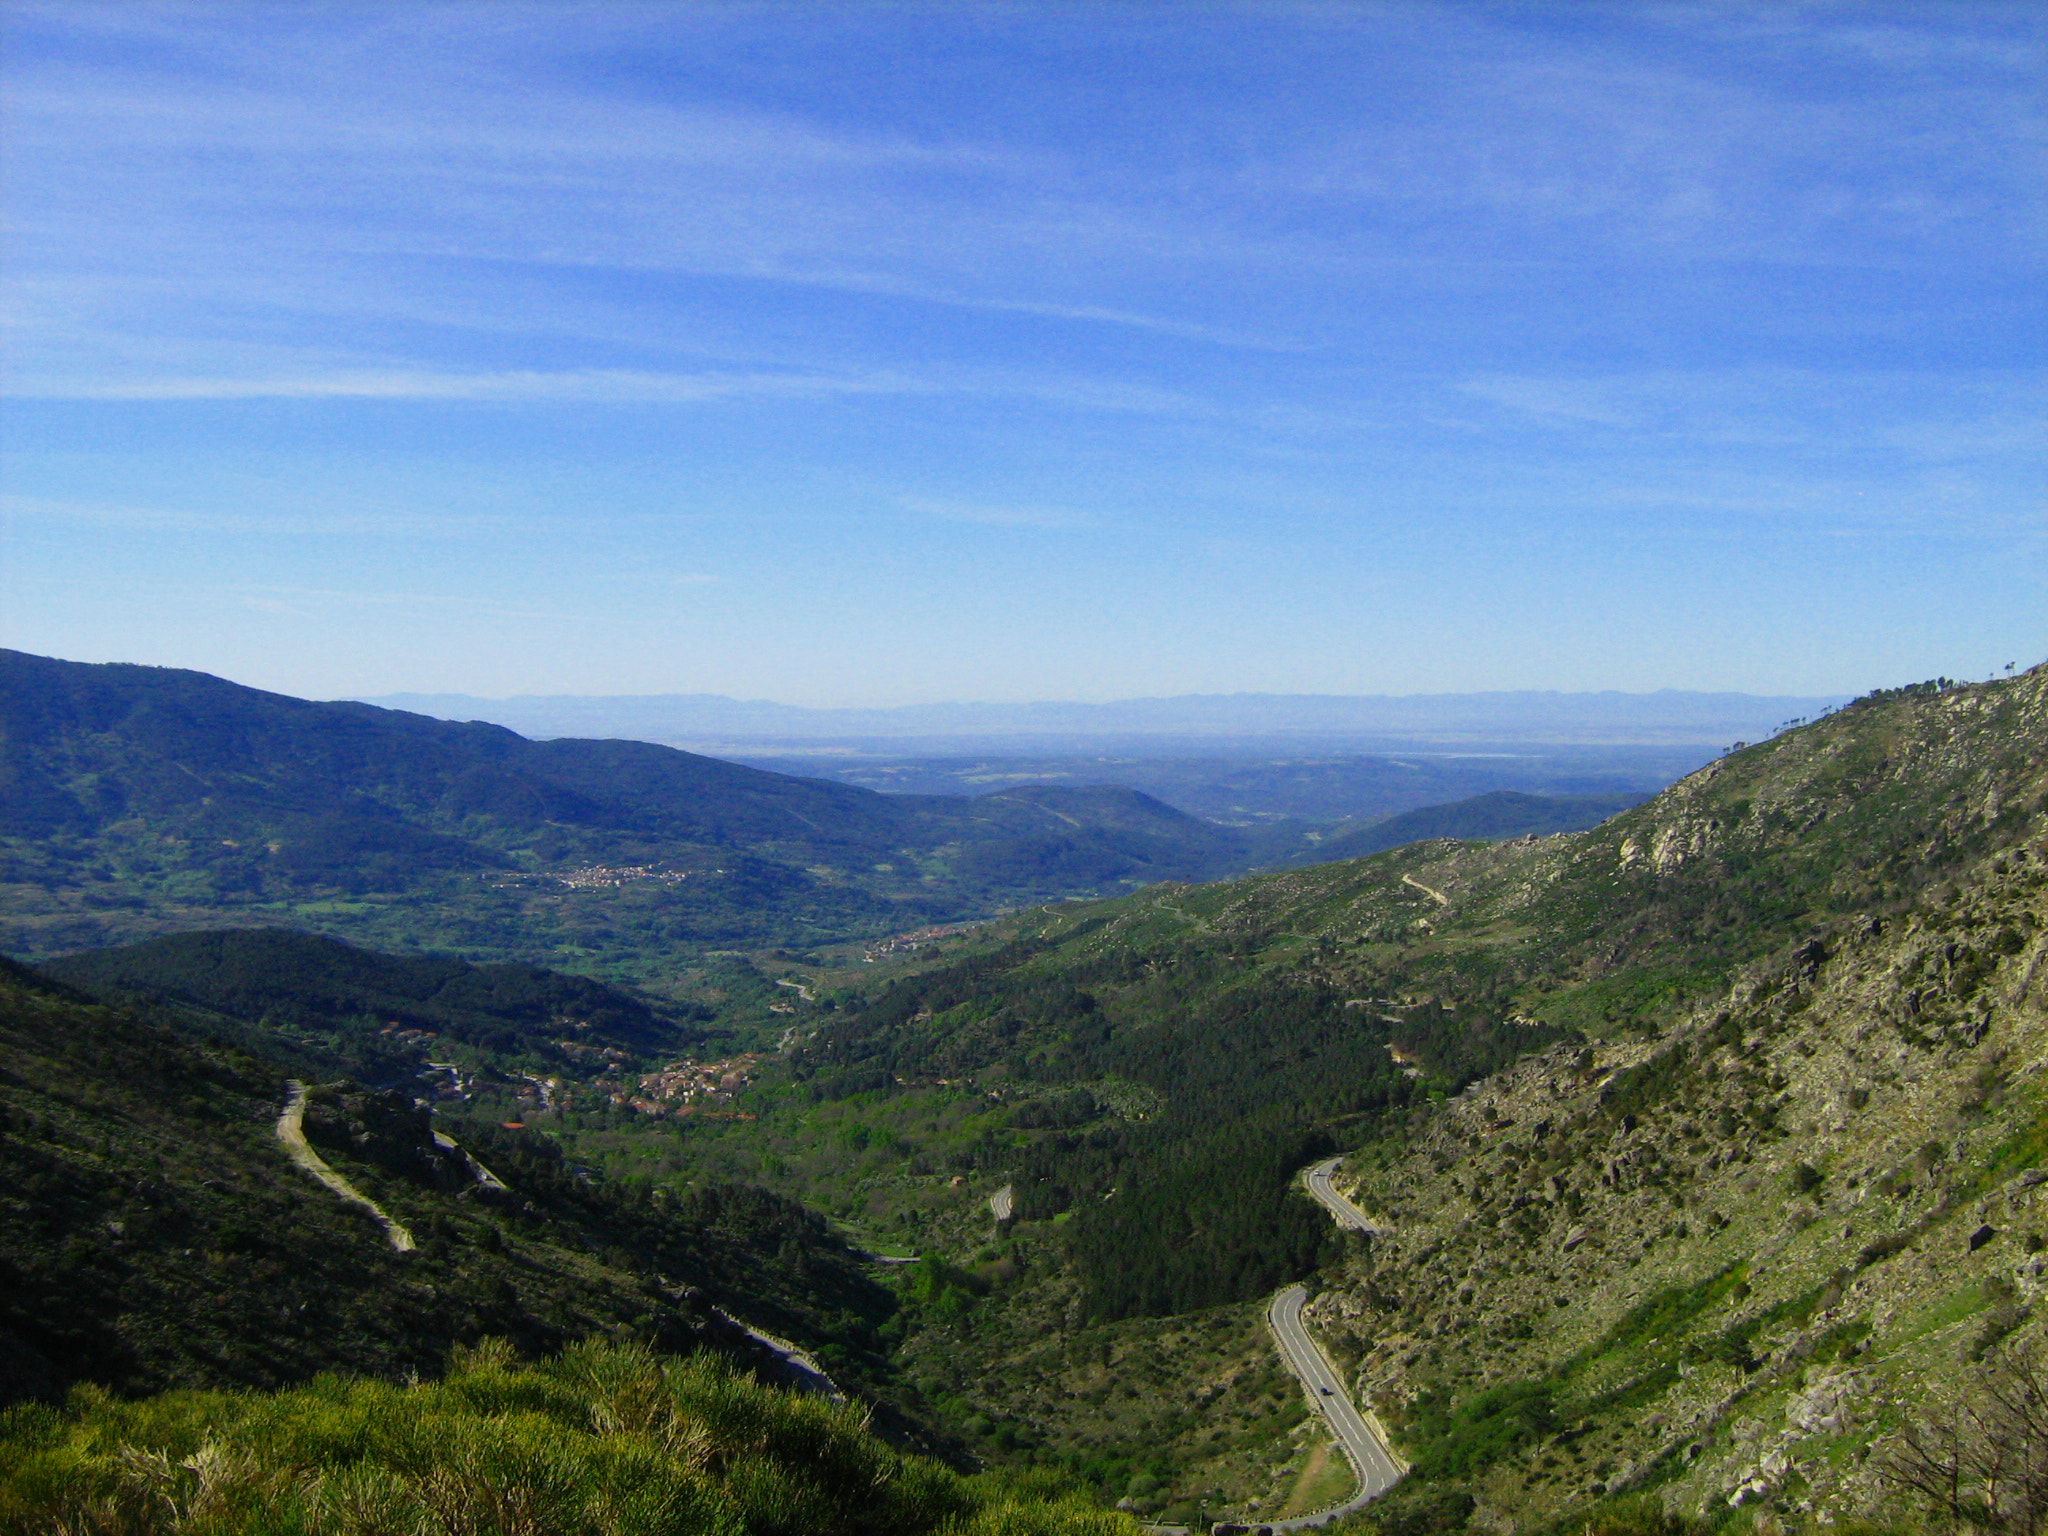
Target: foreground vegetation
{"points": [[606, 1439]]}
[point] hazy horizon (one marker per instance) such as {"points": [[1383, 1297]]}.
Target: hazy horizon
{"points": [[1179, 725]]}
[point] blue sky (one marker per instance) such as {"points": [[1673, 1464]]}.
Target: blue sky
{"points": [[886, 353]]}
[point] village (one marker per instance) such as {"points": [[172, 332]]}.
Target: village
{"points": [[599, 876], [593, 877], [693, 1087], [917, 938]]}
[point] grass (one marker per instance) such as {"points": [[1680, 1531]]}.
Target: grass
{"points": [[1326, 1478], [602, 1440]]}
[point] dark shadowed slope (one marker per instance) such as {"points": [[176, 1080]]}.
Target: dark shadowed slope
{"points": [[153, 1232], [306, 981]]}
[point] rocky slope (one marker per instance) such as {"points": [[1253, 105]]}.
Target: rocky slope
{"points": [[1728, 1258]]}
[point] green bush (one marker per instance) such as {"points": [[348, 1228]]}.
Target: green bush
{"points": [[602, 1440], [1481, 1430]]}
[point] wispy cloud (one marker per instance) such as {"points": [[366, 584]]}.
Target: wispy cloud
{"points": [[592, 386], [996, 516], [284, 518], [1962, 414]]}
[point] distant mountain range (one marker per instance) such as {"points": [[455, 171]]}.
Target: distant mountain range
{"points": [[139, 799], [1665, 717]]}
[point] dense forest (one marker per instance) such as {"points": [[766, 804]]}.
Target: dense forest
{"points": [[1257, 1073], [282, 988]]}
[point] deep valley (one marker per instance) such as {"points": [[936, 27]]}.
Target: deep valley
{"points": [[1698, 1150]]}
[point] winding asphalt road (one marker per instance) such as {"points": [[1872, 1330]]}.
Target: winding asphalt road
{"points": [[1377, 1466], [1326, 1194], [800, 1363], [1364, 1442]]}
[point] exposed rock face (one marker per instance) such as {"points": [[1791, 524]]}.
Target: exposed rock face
{"points": [[1726, 1259]]}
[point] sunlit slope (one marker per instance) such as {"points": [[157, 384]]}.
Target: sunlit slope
{"points": [[135, 799], [1727, 1261], [1277, 1016]]}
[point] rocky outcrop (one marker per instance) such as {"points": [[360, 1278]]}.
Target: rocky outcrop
{"points": [[1726, 1258]]}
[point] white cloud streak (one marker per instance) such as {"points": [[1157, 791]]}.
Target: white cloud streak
{"points": [[996, 516]]}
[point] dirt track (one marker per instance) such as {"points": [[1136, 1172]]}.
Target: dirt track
{"points": [[291, 1130]]}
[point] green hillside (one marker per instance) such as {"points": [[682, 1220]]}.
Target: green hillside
{"points": [[359, 1011], [135, 800], [153, 1233], [1733, 1259]]}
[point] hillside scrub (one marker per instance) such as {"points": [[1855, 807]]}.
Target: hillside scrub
{"points": [[1738, 1260], [605, 1439]]}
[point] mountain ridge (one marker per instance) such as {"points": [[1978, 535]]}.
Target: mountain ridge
{"points": [[272, 988], [126, 788]]}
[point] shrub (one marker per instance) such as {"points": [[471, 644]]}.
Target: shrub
{"points": [[602, 1440]]}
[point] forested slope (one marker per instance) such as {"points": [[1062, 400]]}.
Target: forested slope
{"points": [[135, 799]]}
